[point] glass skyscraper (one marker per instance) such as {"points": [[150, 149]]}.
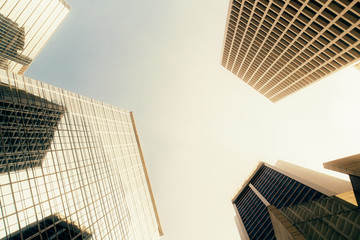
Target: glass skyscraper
{"points": [[325, 218], [71, 167], [329, 217], [280, 187], [25, 27]]}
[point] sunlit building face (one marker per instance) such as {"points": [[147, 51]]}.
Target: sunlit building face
{"points": [[25, 27], [71, 167], [279, 47]]}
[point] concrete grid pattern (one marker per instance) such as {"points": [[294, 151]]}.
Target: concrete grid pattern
{"points": [[279, 47]]}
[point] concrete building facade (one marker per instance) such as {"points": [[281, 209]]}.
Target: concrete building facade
{"points": [[279, 47]]}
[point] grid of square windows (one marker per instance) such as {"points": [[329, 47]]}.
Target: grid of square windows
{"points": [[279, 47]]}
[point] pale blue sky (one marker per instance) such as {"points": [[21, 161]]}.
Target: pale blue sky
{"points": [[202, 129]]}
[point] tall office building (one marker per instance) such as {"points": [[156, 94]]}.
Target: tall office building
{"points": [[71, 167], [280, 186], [331, 217], [279, 47], [25, 27]]}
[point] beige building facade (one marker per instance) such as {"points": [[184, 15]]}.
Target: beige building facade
{"points": [[279, 47]]}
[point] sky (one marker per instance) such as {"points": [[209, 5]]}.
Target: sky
{"points": [[202, 129]]}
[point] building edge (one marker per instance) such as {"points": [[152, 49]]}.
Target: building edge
{"points": [[226, 28], [65, 4], [297, 173], [321, 182], [161, 233], [283, 228], [240, 225], [310, 84], [348, 165], [25, 68], [247, 181]]}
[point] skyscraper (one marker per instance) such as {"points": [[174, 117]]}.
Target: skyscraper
{"points": [[71, 167], [281, 186], [25, 27], [279, 47], [331, 217]]}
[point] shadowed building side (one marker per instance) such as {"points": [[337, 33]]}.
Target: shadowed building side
{"points": [[52, 227], [28, 124], [326, 218]]}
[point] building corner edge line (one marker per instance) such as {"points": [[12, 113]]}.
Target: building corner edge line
{"points": [[146, 175]]}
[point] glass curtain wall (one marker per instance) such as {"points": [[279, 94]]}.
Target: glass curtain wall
{"points": [[91, 175]]}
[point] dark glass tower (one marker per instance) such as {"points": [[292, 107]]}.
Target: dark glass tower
{"points": [[267, 186]]}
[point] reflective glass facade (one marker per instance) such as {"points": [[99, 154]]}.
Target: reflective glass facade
{"points": [[27, 125], [269, 186], [254, 215], [91, 175], [25, 27]]}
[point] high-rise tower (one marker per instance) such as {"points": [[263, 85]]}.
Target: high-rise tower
{"points": [[281, 186], [279, 47], [71, 167]]}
